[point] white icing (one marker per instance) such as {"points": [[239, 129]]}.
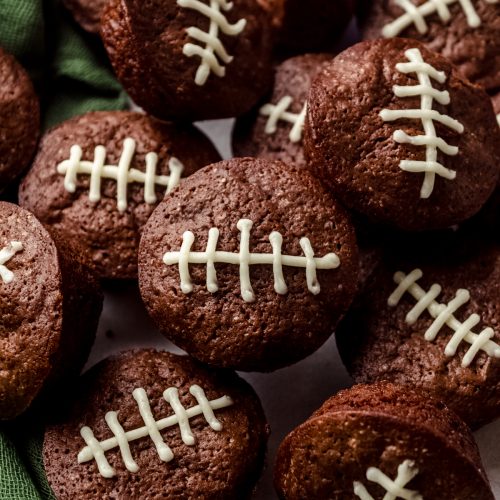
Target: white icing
{"points": [[430, 166], [245, 259], [279, 112], [214, 49], [121, 173], [498, 119], [444, 315], [416, 15], [6, 253], [395, 489], [96, 450]]}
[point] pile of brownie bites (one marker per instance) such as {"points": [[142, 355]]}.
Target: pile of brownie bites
{"points": [[363, 200]]}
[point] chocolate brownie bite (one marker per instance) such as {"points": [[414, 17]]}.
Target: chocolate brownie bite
{"points": [[431, 319], [149, 424], [19, 119], [248, 265], [190, 59], [311, 26], [103, 173], [274, 130], [87, 13], [50, 303], [381, 441], [466, 33], [401, 137]]}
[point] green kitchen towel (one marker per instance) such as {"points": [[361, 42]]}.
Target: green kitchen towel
{"points": [[15, 480], [69, 67], [22, 474]]}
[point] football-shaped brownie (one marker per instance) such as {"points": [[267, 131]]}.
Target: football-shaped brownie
{"points": [[149, 424], [275, 129], [400, 136], [190, 59], [248, 265], [430, 318], [381, 441], [103, 173], [465, 32], [50, 302]]}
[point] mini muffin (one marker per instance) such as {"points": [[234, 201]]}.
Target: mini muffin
{"points": [[149, 424], [274, 130], [401, 137], [87, 13], [248, 265], [381, 441], [50, 302], [103, 173], [312, 25], [190, 59], [465, 32], [19, 119], [431, 319]]}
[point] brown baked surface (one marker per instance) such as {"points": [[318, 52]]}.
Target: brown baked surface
{"points": [[352, 150], [376, 343], [220, 328], [19, 119], [222, 465], [111, 238], [146, 51], [380, 425]]}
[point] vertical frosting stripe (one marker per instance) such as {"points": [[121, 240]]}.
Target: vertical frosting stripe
{"points": [[213, 49]]}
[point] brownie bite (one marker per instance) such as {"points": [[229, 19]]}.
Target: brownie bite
{"points": [[248, 265], [274, 130], [149, 424], [190, 59], [19, 119], [102, 175], [381, 441], [430, 318], [401, 137], [50, 302]]}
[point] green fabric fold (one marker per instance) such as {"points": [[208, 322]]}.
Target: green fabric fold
{"points": [[68, 66]]}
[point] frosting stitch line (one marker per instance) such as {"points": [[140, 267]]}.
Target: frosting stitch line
{"points": [[121, 173], [96, 450], [245, 259], [416, 15], [444, 315]]}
